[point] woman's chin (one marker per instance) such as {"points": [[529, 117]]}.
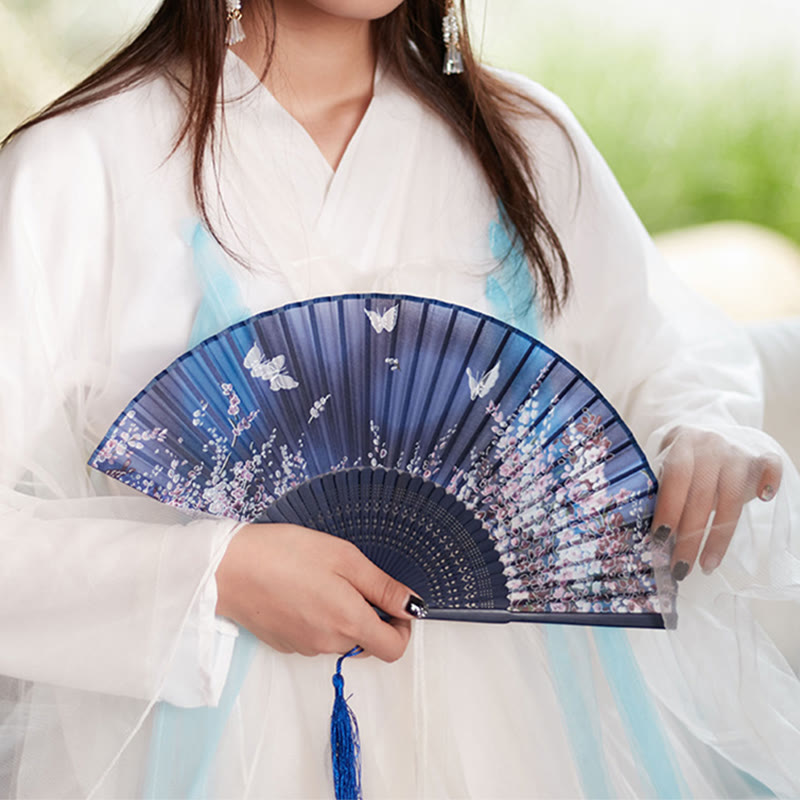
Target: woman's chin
{"points": [[347, 9]]}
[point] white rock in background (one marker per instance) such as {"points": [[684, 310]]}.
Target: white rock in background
{"points": [[752, 273]]}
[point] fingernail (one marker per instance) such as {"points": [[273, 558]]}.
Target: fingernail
{"points": [[680, 570], [767, 493], [417, 607], [661, 534], [710, 563]]}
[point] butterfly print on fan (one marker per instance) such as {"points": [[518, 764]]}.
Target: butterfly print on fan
{"points": [[480, 387], [383, 322], [271, 370]]}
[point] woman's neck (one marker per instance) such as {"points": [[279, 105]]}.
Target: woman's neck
{"points": [[322, 70]]}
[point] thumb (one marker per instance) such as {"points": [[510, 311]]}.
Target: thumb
{"points": [[384, 592]]}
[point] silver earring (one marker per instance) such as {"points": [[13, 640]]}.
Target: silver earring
{"points": [[235, 29], [454, 61]]}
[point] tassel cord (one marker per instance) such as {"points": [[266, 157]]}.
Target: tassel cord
{"points": [[345, 742]]}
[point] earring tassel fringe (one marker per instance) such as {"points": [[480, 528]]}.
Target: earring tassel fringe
{"points": [[345, 744], [454, 61], [235, 29]]}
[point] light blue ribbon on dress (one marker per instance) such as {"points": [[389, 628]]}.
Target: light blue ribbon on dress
{"points": [[510, 289], [222, 304], [184, 742], [511, 293]]}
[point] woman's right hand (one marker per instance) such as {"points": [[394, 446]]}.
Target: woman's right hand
{"points": [[307, 592]]}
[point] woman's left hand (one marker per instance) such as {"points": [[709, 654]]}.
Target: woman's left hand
{"points": [[703, 472]]}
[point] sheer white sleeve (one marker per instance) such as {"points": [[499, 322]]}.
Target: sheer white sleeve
{"points": [[96, 586]]}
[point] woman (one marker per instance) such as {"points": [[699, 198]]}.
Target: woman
{"points": [[138, 216]]}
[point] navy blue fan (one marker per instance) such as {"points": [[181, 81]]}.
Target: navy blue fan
{"points": [[462, 456]]}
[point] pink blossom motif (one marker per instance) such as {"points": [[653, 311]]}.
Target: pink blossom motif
{"points": [[589, 425], [130, 438], [374, 457], [244, 424], [234, 401]]}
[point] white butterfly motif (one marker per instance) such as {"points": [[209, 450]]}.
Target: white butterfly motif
{"points": [[481, 387], [385, 321], [271, 370]]}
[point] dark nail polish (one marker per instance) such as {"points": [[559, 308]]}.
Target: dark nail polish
{"points": [[661, 534], [417, 607], [680, 570]]}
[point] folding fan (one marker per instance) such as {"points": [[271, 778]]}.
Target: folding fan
{"points": [[463, 457]]}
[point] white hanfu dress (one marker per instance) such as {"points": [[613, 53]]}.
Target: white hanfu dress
{"points": [[115, 665]]}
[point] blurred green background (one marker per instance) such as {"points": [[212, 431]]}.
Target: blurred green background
{"points": [[696, 109], [696, 106]]}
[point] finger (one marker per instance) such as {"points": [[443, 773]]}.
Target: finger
{"points": [[381, 589], [278, 644], [402, 625], [699, 505], [673, 490], [769, 480], [404, 629], [732, 492], [384, 640]]}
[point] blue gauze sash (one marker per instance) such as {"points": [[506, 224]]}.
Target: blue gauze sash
{"points": [[184, 742], [511, 292]]}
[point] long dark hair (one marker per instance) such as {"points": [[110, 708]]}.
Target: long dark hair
{"points": [[185, 39]]}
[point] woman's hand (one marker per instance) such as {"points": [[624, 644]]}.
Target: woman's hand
{"points": [[304, 591], [702, 473]]}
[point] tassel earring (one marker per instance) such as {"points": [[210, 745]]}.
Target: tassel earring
{"points": [[453, 62], [235, 29]]}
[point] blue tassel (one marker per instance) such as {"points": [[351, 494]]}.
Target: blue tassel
{"points": [[345, 745]]}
